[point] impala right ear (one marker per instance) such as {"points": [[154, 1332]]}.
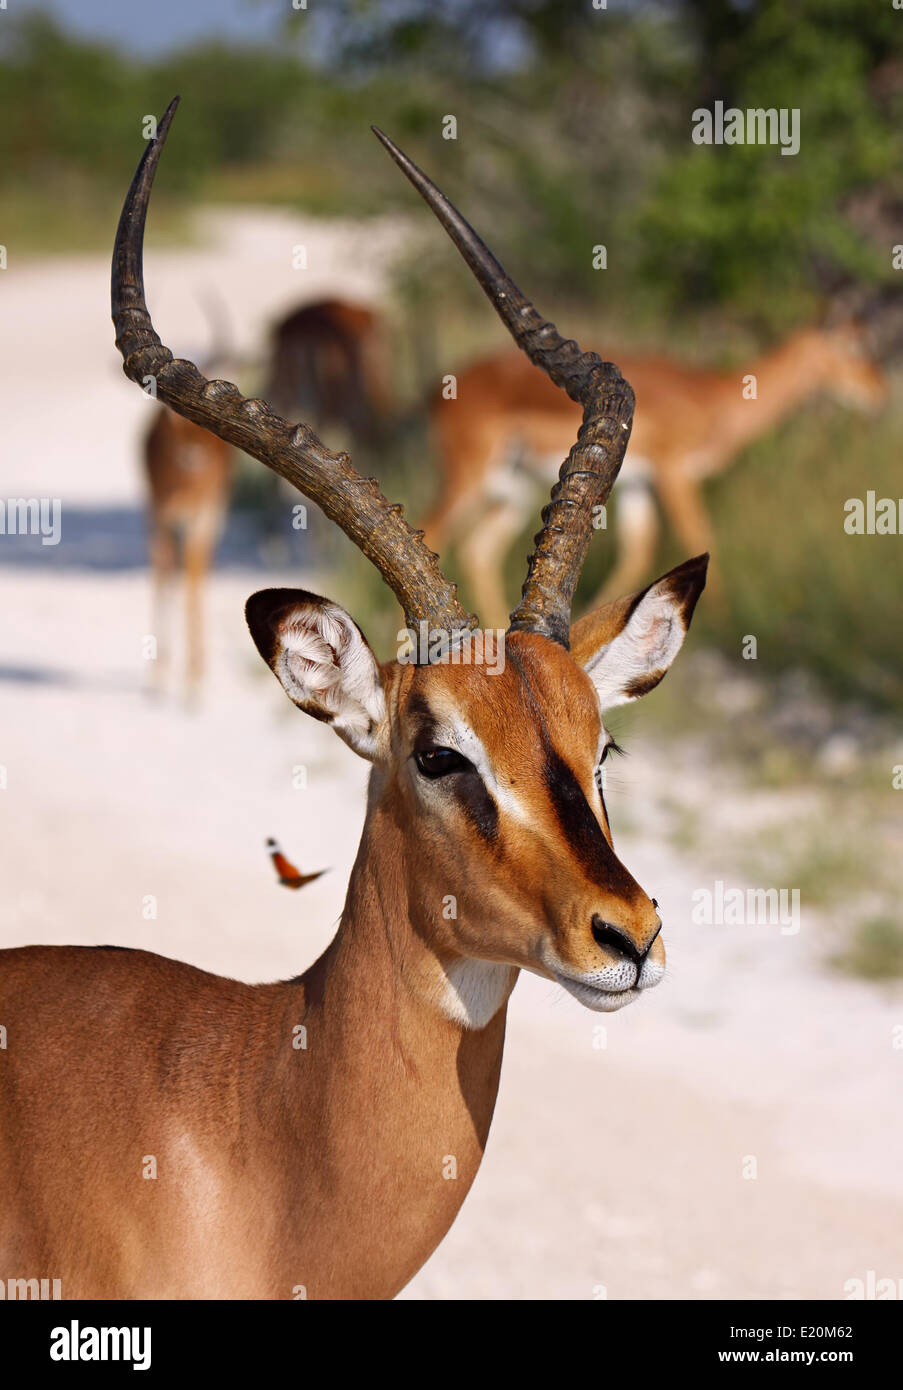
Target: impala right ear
{"points": [[626, 647], [323, 662]]}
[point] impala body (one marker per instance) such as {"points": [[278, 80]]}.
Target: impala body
{"points": [[189, 476], [328, 364], [168, 1133], [508, 425]]}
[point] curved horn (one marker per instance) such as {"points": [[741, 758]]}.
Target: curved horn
{"points": [[589, 471], [356, 504]]}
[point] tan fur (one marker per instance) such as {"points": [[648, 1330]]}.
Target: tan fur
{"points": [[689, 425], [188, 475], [329, 364]]}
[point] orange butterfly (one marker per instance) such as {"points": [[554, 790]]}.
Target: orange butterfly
{"points": [[289, 876]]}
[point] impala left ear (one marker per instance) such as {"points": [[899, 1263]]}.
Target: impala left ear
{"points": [[323, 662], [626, 647]]}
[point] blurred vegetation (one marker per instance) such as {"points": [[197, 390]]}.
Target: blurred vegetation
{"points": [[573, 129], [876, 952], [781, 786]]}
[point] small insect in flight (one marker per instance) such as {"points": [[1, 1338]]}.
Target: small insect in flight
{"points": [[289, 876]]}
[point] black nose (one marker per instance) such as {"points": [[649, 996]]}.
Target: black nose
{"points": [[607, 934]]}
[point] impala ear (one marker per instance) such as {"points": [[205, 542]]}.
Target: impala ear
{"points": [[323, 662], [626, 647]]}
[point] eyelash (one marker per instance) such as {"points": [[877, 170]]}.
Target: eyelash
{"points": [[611, 747]]}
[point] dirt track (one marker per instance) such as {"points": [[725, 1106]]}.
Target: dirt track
{"points": [[618, 1167]]}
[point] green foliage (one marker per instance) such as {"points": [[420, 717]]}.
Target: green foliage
{"points": [[573, 128], [74, 111], [759, 230], [815, 596]]}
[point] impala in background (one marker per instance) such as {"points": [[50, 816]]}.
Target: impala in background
{"points": [[329, 364], [324, 1168], [508, 426], [189, 475], [188, 472]]}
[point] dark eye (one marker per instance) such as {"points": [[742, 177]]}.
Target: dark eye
{"points": [[439, 762]]}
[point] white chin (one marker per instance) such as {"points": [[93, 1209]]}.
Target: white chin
{"points": [[603, 1001]]}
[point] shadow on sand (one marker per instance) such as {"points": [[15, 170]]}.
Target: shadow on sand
{"points": [[115, 539]]}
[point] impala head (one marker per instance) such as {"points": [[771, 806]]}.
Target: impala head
{"points": [[846, 367], [495, 771], [486, 773]]}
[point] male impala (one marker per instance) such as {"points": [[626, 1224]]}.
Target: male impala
{"points": [[320, 1167], [509, 424]]}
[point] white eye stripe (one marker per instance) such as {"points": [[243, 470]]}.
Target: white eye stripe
{"points": [[461, 738], [504, 796]]}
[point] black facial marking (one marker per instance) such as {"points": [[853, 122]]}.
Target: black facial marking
{"points": [[466, 786], [477, 804], [579, 825], [419, 710], [572, 809], [427, 733]]}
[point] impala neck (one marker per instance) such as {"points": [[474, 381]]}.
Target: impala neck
{"points": [[785, 377], [397, 1097]]}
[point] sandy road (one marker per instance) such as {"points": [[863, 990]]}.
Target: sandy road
{"points": [[616, 1166]]}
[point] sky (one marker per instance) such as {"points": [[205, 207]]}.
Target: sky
{"points": [[148, 28], [154, 26]]}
